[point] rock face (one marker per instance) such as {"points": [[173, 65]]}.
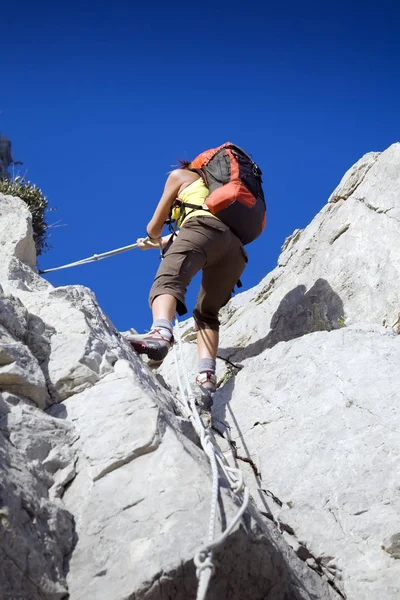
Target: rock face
{"points": [[311, 392], [104, 488]]}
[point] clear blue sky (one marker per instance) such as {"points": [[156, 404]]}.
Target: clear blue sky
{"points": [[100, 99]]}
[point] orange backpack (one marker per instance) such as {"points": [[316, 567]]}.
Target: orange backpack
{"points": [[236, 195]]}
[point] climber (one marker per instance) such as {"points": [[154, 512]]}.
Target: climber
{"points": [[204, 242]]}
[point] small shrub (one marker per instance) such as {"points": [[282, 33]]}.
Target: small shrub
{"points": [[226, 377], [37, 204]]}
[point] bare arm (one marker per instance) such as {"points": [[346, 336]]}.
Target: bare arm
{"points": [[171, 189], [146, 244], [176, 182]]}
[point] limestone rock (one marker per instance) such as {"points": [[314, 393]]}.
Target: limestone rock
{"points": [[20, 372], [13, 315], [341, 269], [353, 177], [106, 492], [36, 534], [141, 503], [392, 545], [319, 417], [83, 343], [73, 340], [16, 239], [112, 453], [41, 439], [309, 388]]}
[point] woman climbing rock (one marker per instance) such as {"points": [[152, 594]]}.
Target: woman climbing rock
{"points": [[218, 204]]}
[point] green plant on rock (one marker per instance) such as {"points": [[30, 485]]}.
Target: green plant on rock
{"points": [[342, 321], [229, 373], [37, 204]]}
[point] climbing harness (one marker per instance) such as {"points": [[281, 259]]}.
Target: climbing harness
{"points": [[203, 559]]}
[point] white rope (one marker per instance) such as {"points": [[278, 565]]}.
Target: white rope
{"points": [[93, 258], [203, 559]]}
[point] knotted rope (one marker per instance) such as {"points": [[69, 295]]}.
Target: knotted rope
{"points": [[203, 559]]}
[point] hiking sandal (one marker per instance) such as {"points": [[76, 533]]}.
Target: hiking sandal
{"points": [[153, 344]]}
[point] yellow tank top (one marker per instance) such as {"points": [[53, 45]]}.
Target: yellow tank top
{"points": [[195, 193]]}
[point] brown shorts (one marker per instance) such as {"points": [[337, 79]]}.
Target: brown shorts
{"points": [[208, 244]]}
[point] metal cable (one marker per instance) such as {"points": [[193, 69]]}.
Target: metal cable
{"points": [[93, 258]]}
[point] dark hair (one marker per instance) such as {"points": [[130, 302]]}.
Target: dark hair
{"points": [[183, 164]]}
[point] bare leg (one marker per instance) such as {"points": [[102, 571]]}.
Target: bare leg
{"points": [[164, 307], [207, 343], [207, 346]]}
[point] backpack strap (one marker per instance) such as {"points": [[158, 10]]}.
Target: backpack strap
{"points": [[182, 206], [168, 244], [202, 175], [172, 223]]}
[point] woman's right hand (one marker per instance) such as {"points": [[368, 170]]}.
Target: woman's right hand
{"points": [[146, 244]]}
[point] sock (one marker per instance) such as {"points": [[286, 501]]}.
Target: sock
{"points": [[207, 365], [164, 326]]}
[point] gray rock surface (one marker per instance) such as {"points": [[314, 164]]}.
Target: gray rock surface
{"points": [[36, 532], [142, 497], [309, 397], [324, 436], [16, 239], [20, 372], [353, 177], [104, 490]]}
